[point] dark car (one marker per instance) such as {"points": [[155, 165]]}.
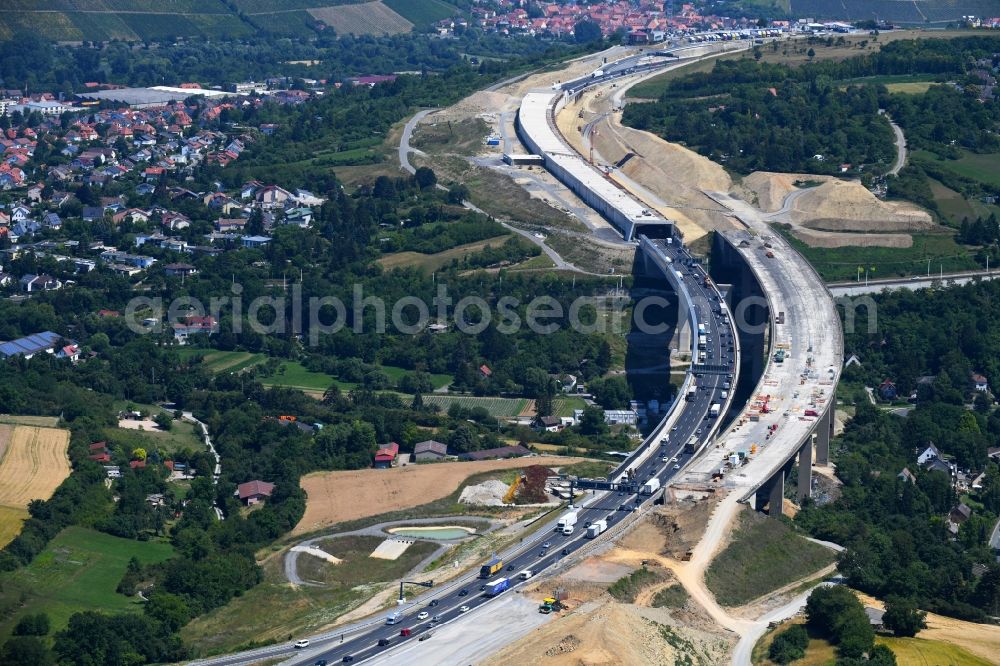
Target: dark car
{"points": [[320, 662], [542, 552], [424, 637], [565, 551], [510, 567], [347, 659], [587, 524], [383, 641], [482, 587], [433, 603], [463, 593]]}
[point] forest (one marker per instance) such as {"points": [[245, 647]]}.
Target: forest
{"points": [[750, 115], [896, 527]]}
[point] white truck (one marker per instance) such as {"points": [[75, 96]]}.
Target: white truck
{"points": [[568, 519], [713, 411], [650, 486], [526, 574], [596, 528]]}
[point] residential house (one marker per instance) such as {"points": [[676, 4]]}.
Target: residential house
{"points": [[31, 283], [230, 224], [548, 423], [254, 242], [52, 221], [929, 453], [254, 492], [175, 221], [92, 213], [429, 450], [887, 390], [46, 341], [485, 372], [194, 325], [979, 383], [179, 270], [906, 475], [957, 516], [385, 457], [273, 196]]}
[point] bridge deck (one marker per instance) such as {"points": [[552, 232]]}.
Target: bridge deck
{"points": [[813, 343]]}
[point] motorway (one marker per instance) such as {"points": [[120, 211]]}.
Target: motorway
{"points": [[661, 456]]}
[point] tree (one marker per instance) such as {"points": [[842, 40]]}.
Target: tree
{"points": [[592, 421], [425, 177], [811, 53], [164, 420], [32, 625], [789, 645], [21, 650], [458, 193], [169, 609], [139, 453], [586, 31], [903, 618]]}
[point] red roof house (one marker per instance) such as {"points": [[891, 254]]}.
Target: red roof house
{"points": [[386, 456], [253, 492]]}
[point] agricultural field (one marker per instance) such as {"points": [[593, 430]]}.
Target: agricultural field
{"points": [[33, 462], [369, 18], [399, 492], [421, 12], [437, 380], [497, 407], [939, 653], [566, 406], [983, 168], [433, 262], [216, 361], [38, 421], [78, 570]]}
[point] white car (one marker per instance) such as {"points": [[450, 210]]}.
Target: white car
{"points": [[302, 643], [664, 459], [463, 609], [423, 616]]}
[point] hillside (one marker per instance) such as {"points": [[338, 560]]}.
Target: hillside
{"points": [[138, 20], [895, 11]]}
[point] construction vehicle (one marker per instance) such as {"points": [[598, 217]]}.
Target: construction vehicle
{"points": [[779, 356], [550, 604]]}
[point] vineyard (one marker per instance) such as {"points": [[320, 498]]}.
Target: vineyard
{"points": [[370, 18], [497, 407]]}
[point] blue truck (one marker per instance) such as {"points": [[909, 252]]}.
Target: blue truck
{"points": [[496, 587]]}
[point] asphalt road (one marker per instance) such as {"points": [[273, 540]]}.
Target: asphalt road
{"points": [[466, 592]]}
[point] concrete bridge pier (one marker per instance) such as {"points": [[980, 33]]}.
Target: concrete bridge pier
{"points": [[805, 470], [822, 435]]}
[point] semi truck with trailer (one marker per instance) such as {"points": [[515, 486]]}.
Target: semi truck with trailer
{"points": [[568, 519], [713, 411], [496, 587], [494, 565], [650, 486]]}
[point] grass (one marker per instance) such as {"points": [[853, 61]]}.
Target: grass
{"points": [[78, 570], [919, 651], [627, 588], [504, 199], [566, 406], [39, 421], [497, 407], [762, 544], [293, 374], [535, 263], [674, 596], [983, 168], [357, 567], [270, 612], [819, 652], [464, 137], [438, 380], [590, 469], [841, 264], [216, 361], [912, 88], [11, 519], [434, 262], [182, 435]]}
